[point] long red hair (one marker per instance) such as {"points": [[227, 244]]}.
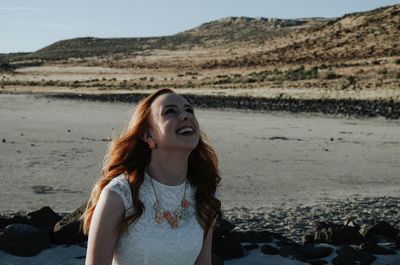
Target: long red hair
{"points": [[129, 155]]}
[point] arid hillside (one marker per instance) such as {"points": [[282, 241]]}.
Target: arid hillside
{"points": [[356, 56]]}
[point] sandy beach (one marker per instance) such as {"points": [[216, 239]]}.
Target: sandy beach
{"points": [[52, 151], [280, 171]]}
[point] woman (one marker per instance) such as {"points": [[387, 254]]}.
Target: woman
{"points": [[154, 203]]}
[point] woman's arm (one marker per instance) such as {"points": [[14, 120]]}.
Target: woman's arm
{"points": [[205, 255], [103, 233]]}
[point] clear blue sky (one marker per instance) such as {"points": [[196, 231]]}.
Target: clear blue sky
{"points": [[28, 25]]}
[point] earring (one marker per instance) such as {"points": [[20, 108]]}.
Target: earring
{"points": [[152, 144]]}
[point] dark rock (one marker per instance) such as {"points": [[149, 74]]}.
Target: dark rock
{"points": [[285, 243], [308, 239], [227, 247], [311, 252], [318, 262], [348, 255], [269, 250], [44, 218], [293, 252], [380, 229], [337, 234], [68, 230], [216, 260], [223, 228], [389, 109], [3, 240], [372, 248], [25, 240], [253, 236], [16, 219], [251, 247]]}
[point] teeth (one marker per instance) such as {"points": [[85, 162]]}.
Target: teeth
{"points": [[185, 130]]}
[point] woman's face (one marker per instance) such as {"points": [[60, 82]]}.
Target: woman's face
{"points": [[173, 123]]}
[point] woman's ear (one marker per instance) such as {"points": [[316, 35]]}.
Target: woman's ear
{"points": [[146, 136]]}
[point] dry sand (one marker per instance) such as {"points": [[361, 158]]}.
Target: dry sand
{"points": [[53, 151]]}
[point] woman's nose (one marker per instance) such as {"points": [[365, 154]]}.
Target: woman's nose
{"points": [[184, 116]]}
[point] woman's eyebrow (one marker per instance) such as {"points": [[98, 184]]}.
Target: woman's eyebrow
{"points": [[175, 106]]}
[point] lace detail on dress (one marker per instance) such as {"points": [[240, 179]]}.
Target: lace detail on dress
{"points": [[120, 185], [149, 243]]}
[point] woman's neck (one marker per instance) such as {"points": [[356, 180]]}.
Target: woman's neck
{"points": [[168, 168]]}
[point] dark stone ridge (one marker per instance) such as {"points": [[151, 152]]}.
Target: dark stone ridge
{"points": [[389, 109], [32, 235], [68, 230], [24, 240]]}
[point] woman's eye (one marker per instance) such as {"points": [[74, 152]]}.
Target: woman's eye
{"points": [[190, 110], [169, 111]]}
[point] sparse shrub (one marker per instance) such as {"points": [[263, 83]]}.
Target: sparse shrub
{"points": [[376, 62], [302, 74], [192, 73], [383, 71], [397, 61], [398, 75], [331, 75], [351, 79]]}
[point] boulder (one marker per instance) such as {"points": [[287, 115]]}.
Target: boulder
{"points": [[380, 229], [223, 228], [293, 252], [227, 247], [68, 230], [16, 219], [269, 250], [216, 260], [337, 234], [44, 218], [24, 240], [349, 256], [318, 262], [372, 248], [251, 247], [311, 252]]}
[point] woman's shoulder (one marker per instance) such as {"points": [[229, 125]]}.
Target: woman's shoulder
{"points": [[120, 185]]}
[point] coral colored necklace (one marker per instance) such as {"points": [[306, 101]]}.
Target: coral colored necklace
{"points": [[174, 218]]}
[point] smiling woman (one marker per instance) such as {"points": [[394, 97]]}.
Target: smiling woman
{"points": [[155, 202]]}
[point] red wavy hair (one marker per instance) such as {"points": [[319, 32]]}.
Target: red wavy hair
{"points": [[129, 155]]}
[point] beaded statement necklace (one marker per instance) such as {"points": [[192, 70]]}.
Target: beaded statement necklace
{"points": [[174, 218]]}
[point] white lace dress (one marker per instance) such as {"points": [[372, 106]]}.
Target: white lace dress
{"points": [[149, 243]]}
